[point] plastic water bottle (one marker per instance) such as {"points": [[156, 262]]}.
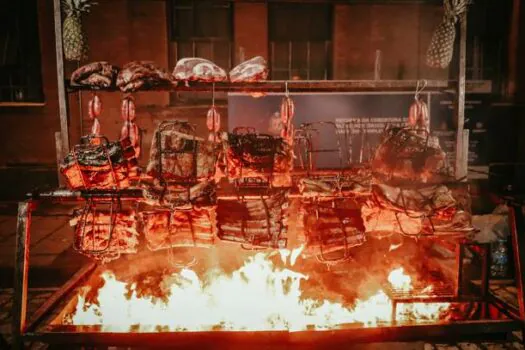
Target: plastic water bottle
{"points": [[499, 258]]}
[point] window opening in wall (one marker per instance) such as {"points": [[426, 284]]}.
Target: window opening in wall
{"points": [[20, 72], [200, 28], [300, 38]]}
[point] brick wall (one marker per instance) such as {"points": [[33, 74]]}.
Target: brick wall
{"points": [[123, 30], [401, 32], [27, 134], [251, 30]]}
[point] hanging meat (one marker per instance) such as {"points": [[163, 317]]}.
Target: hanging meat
{"points": [[94, 111], [252, 155], [179, 228], [254, 222], [95, 75], [175, 195], [287, 114], [405, 156], [176, 154], [329, 227], [198, 69], [130, 129], [418, 117], [252, 70], [104, 234], [139, 75], [213, 122], [99, 165]]}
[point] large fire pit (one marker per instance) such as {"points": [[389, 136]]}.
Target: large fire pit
{"points": [[261, 304]]}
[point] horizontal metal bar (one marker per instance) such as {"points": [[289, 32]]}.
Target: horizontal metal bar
{"points": [[436, 299], [323, 150], [73, 195], [350, 334], [298, 86]]}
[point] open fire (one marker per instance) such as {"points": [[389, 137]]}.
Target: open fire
{"points": [[258, 296]]}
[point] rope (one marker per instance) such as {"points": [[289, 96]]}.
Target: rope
{"points": [[455, 8]]}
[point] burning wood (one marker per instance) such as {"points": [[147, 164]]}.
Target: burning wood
{"points": [[272, 298]]}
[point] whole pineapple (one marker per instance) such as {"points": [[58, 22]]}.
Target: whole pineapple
{"points": [[74, 37], [441, 48]]}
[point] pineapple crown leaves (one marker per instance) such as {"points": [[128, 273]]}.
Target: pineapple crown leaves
{"points": [[455, 8], [77, 7]]}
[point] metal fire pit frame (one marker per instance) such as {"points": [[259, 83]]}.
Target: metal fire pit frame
{"points": [[485, 329]]}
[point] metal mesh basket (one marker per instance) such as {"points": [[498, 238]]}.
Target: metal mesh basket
{"points": [[96, 163], [104, 230], [254, 222], [332, 229]]}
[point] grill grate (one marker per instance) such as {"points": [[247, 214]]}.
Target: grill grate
{"points": [[421, 294]]}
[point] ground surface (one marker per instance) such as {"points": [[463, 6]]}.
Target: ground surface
{"points": [[53, 260]]}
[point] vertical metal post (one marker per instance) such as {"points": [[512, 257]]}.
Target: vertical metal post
{"points": [[62, 95], [289, 60], [485, 277], [517, 233], [513, 49], [58, 146], [460, 253], [429, 104], [23, 238], [308, 60], [394, 312], [461, 158], [377, 65]]}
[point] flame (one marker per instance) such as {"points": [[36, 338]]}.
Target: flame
{"points": [[399, 280], [258, 296]]}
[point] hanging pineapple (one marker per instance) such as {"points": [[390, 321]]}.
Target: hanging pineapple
{"points": [[441, 48], [73, 35]]}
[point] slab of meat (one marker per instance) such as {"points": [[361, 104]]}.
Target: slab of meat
{"points": [[138, 75], [175, 195], [130, 129], [213, 120], [425, 200], [383, 222], [95, 75], [258, 156], [100, 165], [104, 235], [328, 229], [176, 154], [252, 70], [404, 156], [198, 69], [254, 222], [426, 210], [418, 117], [178, 228], [356, 182], [287, 114]]}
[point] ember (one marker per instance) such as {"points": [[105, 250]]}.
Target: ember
{"points": [[258, 296]]}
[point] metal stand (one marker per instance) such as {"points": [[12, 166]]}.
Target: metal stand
{"points": [[517, 226], [346, 334]]}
